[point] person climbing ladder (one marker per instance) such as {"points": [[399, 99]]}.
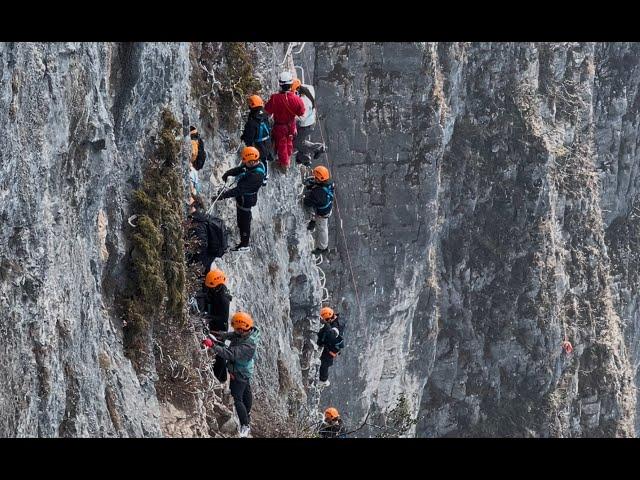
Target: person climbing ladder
{"points": [[240, 360], [217, 302], [318, 194], [284, 106], [206, 233], [303, 143], [250, 177], [331, 426], [329, 337]]}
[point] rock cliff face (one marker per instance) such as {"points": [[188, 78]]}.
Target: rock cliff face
{"points": [[487, 193], [79, 124], [489, 217]]}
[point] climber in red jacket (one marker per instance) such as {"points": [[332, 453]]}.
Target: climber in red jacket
{"points": [[285, 106]]}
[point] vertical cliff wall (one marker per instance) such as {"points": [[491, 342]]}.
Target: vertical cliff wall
{"points": [[487, 194], [80, 123], [475, 215]]}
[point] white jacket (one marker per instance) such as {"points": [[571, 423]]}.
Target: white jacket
{"points": [[309, 117]]}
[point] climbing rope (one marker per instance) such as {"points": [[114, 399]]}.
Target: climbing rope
{"points": [[219, 194], [344, 238], [335, 199]]}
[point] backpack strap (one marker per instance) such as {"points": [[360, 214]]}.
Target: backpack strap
{"points": [[263, 136], [286, 104]]}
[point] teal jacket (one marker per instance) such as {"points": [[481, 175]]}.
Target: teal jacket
{"points": [[240, 353]]}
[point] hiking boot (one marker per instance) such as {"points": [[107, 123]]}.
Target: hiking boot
{"points": [[319, 152], [324, 384], [319, 251], [244, 431], [241, 248]]}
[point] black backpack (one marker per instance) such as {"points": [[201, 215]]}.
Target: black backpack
{"points": [[339, 345], [202, 155], [218, 237]]}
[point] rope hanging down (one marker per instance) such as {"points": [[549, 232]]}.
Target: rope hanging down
{"points": [[344, 238]]}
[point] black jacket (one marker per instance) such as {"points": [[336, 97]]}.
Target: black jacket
{"points": [[217, 305], [246, 191], [328, 338], [250, 133], [198, 232], [331, 430], [316, 196]]}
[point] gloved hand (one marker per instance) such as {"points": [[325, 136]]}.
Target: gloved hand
{"points": [[308, 181], [208, 342], [224, 177], [312, 225]]}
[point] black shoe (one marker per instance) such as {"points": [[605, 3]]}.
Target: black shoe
{"points": [[319, 251], [241, 248], [319, 152]]}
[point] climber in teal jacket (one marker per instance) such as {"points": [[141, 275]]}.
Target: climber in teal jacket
{"points": [[240, 360]]}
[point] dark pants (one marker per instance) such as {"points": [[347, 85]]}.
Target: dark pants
{"points": [[241, 393], [244, 225], [306, 148], [326, 361], [220, 369]]}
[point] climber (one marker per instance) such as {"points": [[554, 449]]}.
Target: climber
{"points": [[284, 106], [329, 337], [198, 232], [217, 307], [331, 426], [250, 176], [319, 195], [198, 152], [257, 132], [240, 360], [303, 144]]}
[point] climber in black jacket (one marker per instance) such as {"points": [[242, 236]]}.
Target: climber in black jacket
{"points": [[257, 132], [329, 337], [197, 229], [250, 176], [217, 303], [319, 195], [332, 425]]}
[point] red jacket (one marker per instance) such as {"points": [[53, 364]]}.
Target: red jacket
{"points": [[285, 107]]}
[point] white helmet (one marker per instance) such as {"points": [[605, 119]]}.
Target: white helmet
{"points": [[286, 78]]}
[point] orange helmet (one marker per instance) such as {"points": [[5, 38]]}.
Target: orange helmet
{"points": [[255, 101], [326, 313], [214, 278], [296, 84], [321, 173], [250, 154], [241, 321], [331, 414]]}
